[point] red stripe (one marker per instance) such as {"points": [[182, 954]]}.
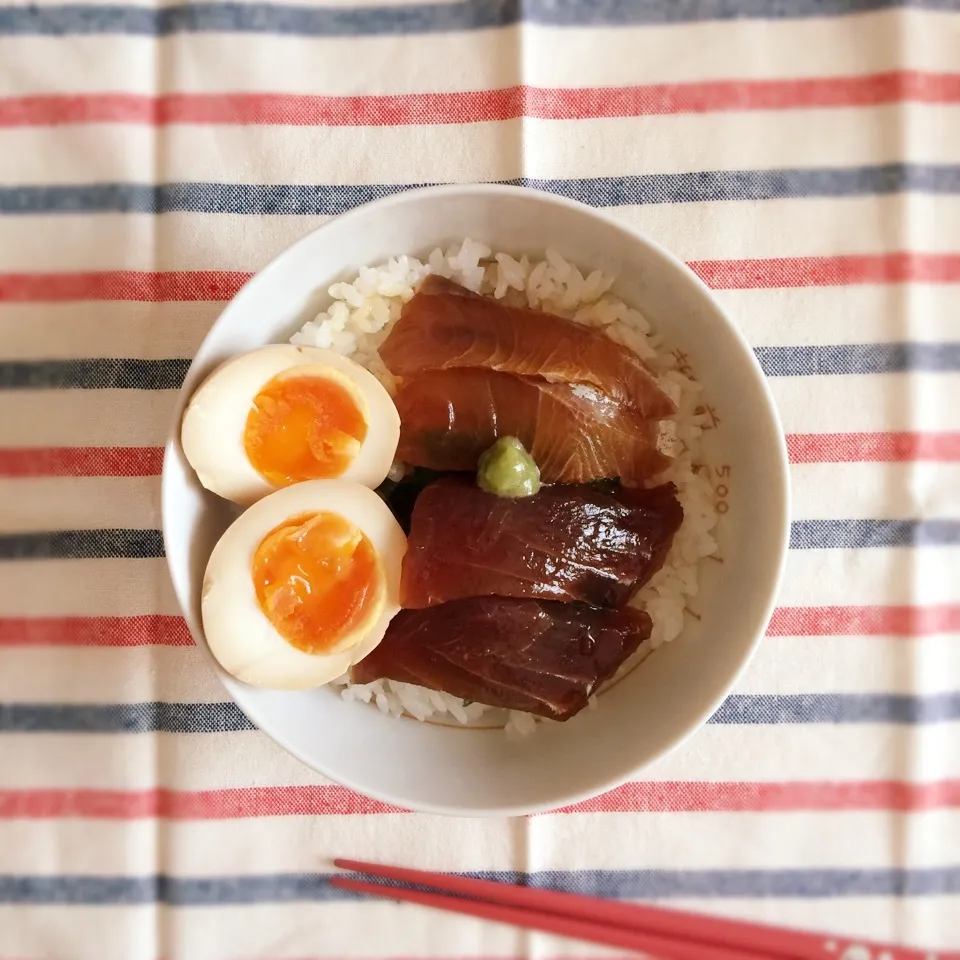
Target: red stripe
{"points": [[170, 631], [864, 621], [151, 287], [872, 447], [81, 461], [148, 630], [772, 797], [194, 805], [828, 271], [719, 274], [333, 800], [803, 447], [474, 106]]}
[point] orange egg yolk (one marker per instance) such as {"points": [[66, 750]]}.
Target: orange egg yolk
{"points": [[303, 428], [319, 581]]}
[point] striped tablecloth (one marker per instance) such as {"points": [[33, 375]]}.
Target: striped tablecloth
{"points": [[802, 155]]}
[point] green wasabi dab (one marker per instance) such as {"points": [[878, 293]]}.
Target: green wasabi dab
{"points": [[507, 470]]}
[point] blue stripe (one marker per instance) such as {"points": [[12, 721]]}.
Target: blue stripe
{"points": [[260, 18], [612, 884], [115, 373], [804, 535], [858, 534], [740, 709], [838, 708], [82, 544], [123, 718], [331, 199], [419, 18], [99, 373], [233, 198], [857, 358]]}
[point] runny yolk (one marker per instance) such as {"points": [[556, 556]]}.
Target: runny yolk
{"points": [[318, 581], [303, 428]]}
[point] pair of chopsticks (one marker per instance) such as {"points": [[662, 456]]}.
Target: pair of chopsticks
{"points": [[667, 934]]}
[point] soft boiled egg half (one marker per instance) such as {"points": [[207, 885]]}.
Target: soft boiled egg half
{"points": [[303, 584], [284, 414]]}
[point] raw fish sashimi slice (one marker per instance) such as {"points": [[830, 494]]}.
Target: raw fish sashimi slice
{"points": [[567, 543], [574, 432], [445, 326], [538, 656]]}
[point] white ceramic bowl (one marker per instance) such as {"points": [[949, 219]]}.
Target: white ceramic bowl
{"points": [[473, 772]]}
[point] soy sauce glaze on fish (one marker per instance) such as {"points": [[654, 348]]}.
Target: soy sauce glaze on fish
{"points": [[566, 543], [574, 432], [522, 603], [447, 327], [539, 656]]}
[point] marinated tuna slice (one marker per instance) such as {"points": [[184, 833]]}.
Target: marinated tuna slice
{"points": [[538, 656], [566, 543], [574, 432], [445, 326]]}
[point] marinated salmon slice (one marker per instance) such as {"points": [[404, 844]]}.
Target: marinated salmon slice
{"points": [[574, 432], [445, 327], [538, 656], [566, 543]]}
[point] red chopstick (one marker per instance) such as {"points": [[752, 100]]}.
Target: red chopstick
{"points": [[650, 943], [671, 934]]}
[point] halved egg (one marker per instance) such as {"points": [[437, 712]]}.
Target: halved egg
{"points": [[303, 584], [284, 414]]}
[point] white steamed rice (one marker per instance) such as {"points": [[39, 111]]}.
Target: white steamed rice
{"points": [[358, 321]]}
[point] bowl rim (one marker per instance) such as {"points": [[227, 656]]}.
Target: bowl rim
{"points": [[779, 475]]}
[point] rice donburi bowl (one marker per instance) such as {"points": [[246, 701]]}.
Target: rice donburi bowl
{"points": [[649, 595]]}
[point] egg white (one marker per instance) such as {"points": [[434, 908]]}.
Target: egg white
{"points": [[212, 431], [241, 637]]}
